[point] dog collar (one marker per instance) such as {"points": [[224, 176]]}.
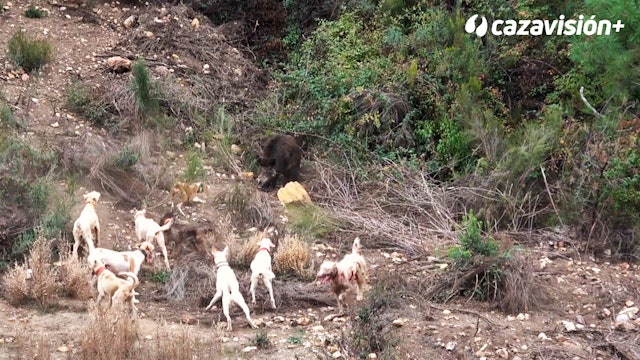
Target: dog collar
{"points": [[100, 270], [221, 264], [266, 249], [143, 253]]}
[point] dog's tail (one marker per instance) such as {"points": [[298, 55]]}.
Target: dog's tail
{"points": [[356, 248], [167, 224], [133, 279], [269, 275]]}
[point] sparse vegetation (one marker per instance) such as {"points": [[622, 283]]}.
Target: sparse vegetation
{"points": [[407, 123], [261, 339], [81, 99], [34, 13], [29, 53], [310, 221], [126, 158], [160, 276], [372, 329]]}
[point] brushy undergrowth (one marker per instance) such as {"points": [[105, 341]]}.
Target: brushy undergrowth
{"points": [[29, 53]]}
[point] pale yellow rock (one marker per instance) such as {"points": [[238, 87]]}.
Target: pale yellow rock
{"points": [[293, 192]]}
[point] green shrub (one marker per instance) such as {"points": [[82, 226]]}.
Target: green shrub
{"points": [[261, 339], [144, 91], [472, 241], [126, 158], [34, 13], [29, 53], [195, 168], [7, 117]]}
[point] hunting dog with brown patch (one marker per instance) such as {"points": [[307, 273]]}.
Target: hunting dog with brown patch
{"points": [[124, 261], [348, 274], [150, 231], [186, 193], [227, 287], [87, 226], [115, 288]]}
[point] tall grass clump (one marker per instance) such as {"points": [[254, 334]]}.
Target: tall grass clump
{"points": [[29, 53]]}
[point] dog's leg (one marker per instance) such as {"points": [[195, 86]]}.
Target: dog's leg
{"points": [[238, 299], [163, 247], [99, 299], [198, 200], [216, 297], [252, 290], [226, 301], [267, 282], [76, 242], [97, 230], [179, 206]]}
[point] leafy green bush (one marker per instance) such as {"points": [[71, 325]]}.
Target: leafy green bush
{"points": [[29, 53]]}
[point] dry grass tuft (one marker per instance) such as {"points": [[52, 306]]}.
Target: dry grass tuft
{"points": [[192, 279], [75, 277], [248, 206], [34, 280], [293, 257], [246, 252], [180, 343], [110, 334], [519, 290], [15, 285]]}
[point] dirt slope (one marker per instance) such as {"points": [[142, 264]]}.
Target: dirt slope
{"points": [[579, 323]]}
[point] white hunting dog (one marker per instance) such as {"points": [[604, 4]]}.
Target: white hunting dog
{"points": [[349, 273], [114, 287], [227, 287], [87, 224], [124, 261], [149, 230], [261, 269]]}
